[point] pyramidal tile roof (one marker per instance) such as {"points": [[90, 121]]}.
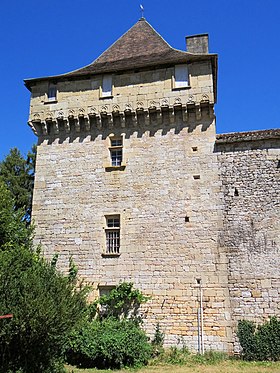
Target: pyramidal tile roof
{"points": [[140, 47], [140, 40]]}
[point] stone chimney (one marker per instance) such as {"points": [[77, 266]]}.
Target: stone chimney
{"points": [[197, 43]]}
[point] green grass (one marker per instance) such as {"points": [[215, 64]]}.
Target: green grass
{"points": [[185, 362]]}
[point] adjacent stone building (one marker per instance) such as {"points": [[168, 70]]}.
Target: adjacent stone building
{"points": [[133, 183]]}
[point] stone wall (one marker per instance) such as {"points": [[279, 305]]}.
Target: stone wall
{"points": [[250, 173], [191, 207], [170, 176], [131, 91]]}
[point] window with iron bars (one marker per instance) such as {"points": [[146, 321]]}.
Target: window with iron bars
{"points": [[116, 151], [112, 235]]}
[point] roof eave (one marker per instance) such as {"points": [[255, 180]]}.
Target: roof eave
{"points": [[80, 75]]}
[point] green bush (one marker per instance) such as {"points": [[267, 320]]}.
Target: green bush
{"points": [[122, 302], [45, 307], [109, 343], [111, 337], [45, 304], [262, 342]]}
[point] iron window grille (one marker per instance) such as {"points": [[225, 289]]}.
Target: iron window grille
{"points": [[113, 235]]}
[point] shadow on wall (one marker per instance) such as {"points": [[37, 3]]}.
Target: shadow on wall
{"points": [[140, 124]]}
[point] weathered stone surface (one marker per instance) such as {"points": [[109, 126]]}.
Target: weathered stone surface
{"points": [[191, 207], [251, 233]]}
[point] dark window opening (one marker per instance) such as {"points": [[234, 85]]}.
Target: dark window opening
{"points": [[52, 91]]}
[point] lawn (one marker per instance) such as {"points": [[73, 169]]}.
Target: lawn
{"points": [[228, 366]]}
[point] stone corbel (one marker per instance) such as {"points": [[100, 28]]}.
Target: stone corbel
{"points": [[185, 114], [159, 116], [128, 115], [87, 123], [77, 125], [211, 111], [80, 119], [66, 125], [32, 124], [146, 118], [110, 121], [103, 118], [134, 118], [98, 122], [44, 128], [171, 116], [122, 120], [55, 126], [198, 112]]}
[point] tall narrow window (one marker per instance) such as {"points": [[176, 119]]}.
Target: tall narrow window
{"points": [[113, 234], [107, 86], [181, 76], [52, 91], [116, 151]]}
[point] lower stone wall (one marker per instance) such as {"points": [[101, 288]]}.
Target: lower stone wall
{"points": [[176, 311], [170, 204], [250, 177], [186, 213]]}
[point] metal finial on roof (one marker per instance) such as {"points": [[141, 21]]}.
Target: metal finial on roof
{"points": [[142, 11]]}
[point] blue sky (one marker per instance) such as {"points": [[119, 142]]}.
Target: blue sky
{"points": [[41, 38]]}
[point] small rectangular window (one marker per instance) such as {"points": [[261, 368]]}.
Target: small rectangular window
{"points": [[52, 92], [116, 142], [181, 76], [107, 84], [105, 289], [113, 234], [116, 151]]}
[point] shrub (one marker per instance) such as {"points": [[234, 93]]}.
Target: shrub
{"points": [[122, 302], [109, 343], [157, 342], [262, 342], [45, 306], [111, 337]]}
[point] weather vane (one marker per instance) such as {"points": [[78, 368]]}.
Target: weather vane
{"points": [[142, 10]]}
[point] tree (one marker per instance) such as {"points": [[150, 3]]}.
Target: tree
{"points": [[18, 175], [45, 304], [13, 230]]}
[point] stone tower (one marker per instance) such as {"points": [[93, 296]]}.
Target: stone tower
{"points": [[128, 181]]}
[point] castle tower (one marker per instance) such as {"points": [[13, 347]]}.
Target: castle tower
{"points": [[127, 180]]}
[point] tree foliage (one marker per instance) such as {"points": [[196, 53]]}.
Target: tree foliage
{"points": [[122, 302], [18, 175], [45, 304], [13, 230]]}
